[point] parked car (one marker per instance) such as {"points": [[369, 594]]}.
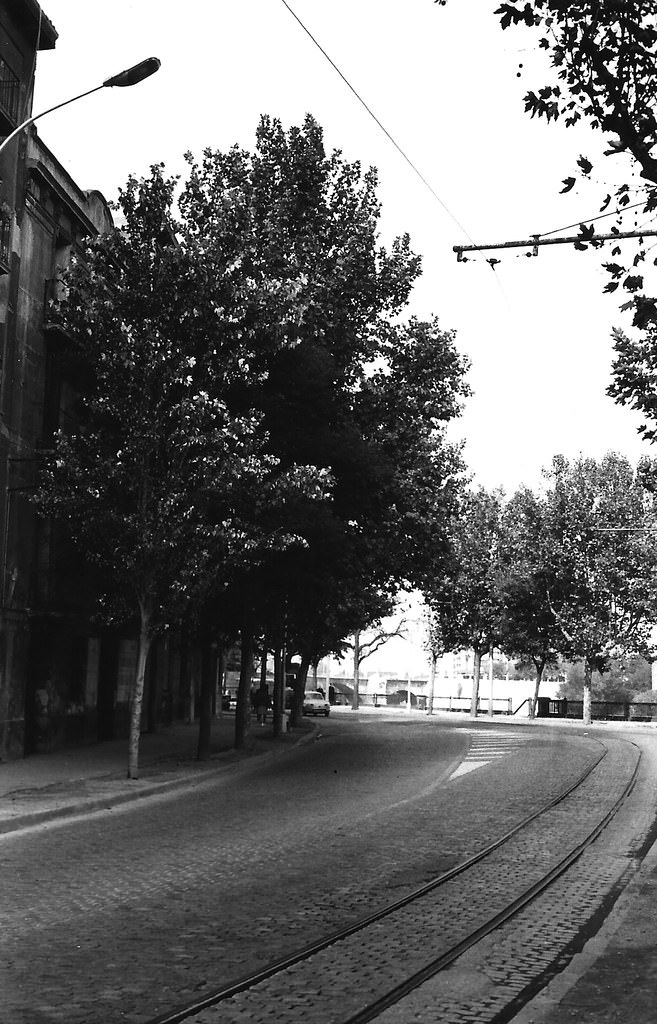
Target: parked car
{"points": [[315, 704]]}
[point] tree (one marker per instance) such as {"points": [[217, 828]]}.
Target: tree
{"points": [[435, 648], [604, 58], [529, 630], [343, 604], [378, 635], [151, 483], [635, 370], [291, 235], [290, 232], [466, 597], [602, 54], [601, 574], [405, 407], [623, 679]]}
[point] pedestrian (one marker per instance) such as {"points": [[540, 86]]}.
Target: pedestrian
{"points": [[262, 702]]}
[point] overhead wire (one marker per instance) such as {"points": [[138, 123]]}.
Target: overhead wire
{"points": [[377, 121], [590, 220]]}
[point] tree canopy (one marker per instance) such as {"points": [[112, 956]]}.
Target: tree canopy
{"points": [[158, 480], [602, 72], [260, 435], [347, 386], [465, 595], [528, 630]]}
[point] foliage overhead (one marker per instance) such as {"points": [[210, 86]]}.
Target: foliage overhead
{"points": [[339, 382], [155, 478], [260, 441], [603, 60]]}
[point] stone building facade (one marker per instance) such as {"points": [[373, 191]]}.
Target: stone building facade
{"points": [[45, 652], [63, 678]]}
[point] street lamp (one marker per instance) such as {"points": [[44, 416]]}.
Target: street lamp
{"points": [[131, 76]]}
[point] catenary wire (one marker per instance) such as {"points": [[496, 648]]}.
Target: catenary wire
{"points": [[590, 220], [377, 121]]}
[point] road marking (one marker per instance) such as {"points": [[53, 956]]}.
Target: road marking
{"points": [[486, 747]]}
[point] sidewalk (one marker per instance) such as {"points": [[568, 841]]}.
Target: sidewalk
{"points": [[75, 781]]}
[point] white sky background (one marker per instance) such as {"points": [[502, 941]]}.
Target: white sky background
{"points": [[444, 83]]}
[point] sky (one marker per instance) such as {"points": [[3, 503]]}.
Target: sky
{"points": [[447, 84]]}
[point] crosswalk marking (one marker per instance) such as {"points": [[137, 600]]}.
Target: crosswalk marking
{"points": [[486, 747]]}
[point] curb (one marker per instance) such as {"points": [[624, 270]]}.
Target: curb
{"points": [[147, 787]]}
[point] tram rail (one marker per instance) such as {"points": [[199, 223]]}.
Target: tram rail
{"points": [[385, 926]]}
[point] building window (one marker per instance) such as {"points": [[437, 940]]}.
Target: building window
{"points": [[9, 91], [5, 241]]}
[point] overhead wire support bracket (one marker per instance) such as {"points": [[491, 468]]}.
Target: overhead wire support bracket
{"points": [[534, 241]]}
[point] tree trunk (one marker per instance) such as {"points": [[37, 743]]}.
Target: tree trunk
{"points": [[6, 643], [184, 676], [299, 690], [279, 690], [244, 687], [432, 683], [208, 682], [221, 679], [533, 703], [191, 685], [355, 698], [476, 674], [145, 641], [586, 704], [263, 662], [152, 687]]}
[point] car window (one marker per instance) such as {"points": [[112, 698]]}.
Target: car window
{"points": [[313, 695]]}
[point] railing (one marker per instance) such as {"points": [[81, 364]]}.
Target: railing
{"points": [[601, 710], [501, 705], [9, 91], [420, 702]]}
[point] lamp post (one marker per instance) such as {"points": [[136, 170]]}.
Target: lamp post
{"points": [[131, 76]]}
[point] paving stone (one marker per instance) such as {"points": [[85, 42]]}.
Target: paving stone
{"points": [[144, 906]]}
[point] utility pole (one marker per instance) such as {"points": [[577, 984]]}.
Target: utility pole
{"points": [[534, 241]]}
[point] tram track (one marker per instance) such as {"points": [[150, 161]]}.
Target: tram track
{"points": [[399, 946]]}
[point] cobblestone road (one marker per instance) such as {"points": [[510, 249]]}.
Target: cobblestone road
{"points": [[133, 912], [367, 964]]}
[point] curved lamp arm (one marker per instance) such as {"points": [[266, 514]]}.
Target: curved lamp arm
{"points": [[131, 76]]}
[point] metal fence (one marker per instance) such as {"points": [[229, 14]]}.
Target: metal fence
{"points": [[420, 702], [601, 710]]}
